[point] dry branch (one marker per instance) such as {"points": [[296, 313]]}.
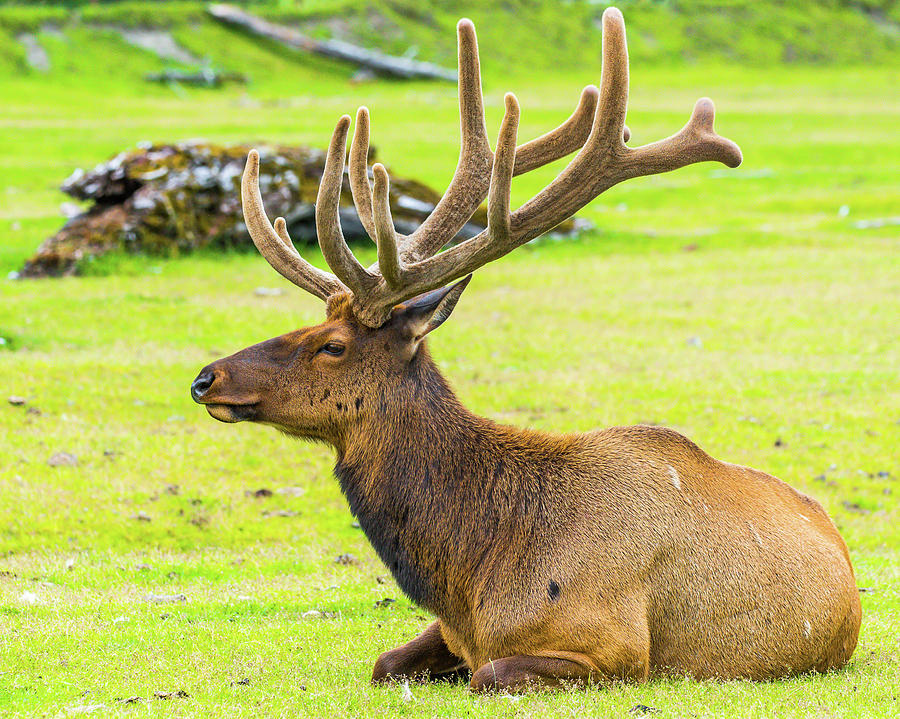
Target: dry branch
{"points": [[372, 59]]}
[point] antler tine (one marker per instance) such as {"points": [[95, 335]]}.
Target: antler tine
{"points": [[359, 175], [274, 243], [328, 224], [469, 185], [473, 131], [386, 237], [696, 142], [609, 122], [502, 173], [565, 139]]}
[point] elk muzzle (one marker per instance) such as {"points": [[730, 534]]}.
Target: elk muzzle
{"points": [[213, 389]]}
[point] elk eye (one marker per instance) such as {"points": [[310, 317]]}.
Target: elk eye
{"points": [[332, 348]]}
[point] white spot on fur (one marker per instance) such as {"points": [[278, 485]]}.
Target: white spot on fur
{"points": [[755, 534], [807, 627], [803, 516], [673, 475]]}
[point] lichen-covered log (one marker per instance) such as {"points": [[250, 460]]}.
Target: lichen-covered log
{"points": [[167, 199]]}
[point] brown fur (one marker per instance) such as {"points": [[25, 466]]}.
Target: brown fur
{"points": [[624, 553]]}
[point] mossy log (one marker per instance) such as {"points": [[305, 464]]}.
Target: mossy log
{"points": [[170, 199]]}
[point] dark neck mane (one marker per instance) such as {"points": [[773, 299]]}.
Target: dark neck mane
{"points": [[429, 483]]}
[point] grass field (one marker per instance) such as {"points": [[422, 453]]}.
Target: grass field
{"points": [[755, 310]]}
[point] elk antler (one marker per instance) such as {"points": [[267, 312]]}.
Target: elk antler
{"points": [[407, 264]]}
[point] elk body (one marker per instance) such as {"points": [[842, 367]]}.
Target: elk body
{"points": [[624, 553]]}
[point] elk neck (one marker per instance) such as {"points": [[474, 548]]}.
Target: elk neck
{"points": [[434, 485]]}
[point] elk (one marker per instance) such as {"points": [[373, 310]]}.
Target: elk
{"points": [[618, 554]]}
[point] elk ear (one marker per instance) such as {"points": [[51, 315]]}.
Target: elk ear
{"points": [[420, 315]]}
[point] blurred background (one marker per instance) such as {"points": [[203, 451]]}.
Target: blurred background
{"points": [[753, 309], [796, 83]]}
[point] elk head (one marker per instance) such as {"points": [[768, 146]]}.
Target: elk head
{"points": [[313, 381]]}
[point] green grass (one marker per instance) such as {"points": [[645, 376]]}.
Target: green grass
{"points": [[793, 304]]}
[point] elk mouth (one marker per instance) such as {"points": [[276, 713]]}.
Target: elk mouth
{"points": [[231, 413]]}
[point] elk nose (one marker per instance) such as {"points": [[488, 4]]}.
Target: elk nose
{"points": [[201, 385]]}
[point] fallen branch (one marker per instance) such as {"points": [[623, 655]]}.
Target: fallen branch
{"points": [[372, 59]]}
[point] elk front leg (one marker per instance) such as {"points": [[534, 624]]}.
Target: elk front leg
{"points": [[426, 656]]}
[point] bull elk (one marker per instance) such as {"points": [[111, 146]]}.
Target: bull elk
{"points": [[623, 553]]}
